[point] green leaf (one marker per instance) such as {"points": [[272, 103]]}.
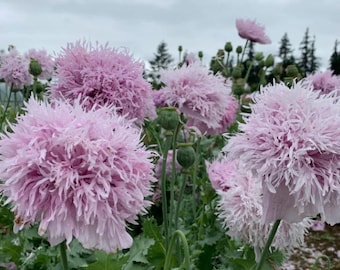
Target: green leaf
{"points": [[138, 252], [108, 261], [157, 253]]}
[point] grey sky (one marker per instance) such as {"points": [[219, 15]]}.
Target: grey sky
{"points": [[141, 25]]}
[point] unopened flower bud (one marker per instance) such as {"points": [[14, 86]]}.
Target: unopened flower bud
{"points": [[239, 49], [39, 87], [180, 49], [228, 47], [237, 72], [259, 56], [238, 87], [186, 155], [292, 71], [35, 68], [200, 55], [277, 70], [168, 118], [220, 53], [269, 61]]}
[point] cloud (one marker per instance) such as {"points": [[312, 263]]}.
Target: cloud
{"points": [[141, 25]]}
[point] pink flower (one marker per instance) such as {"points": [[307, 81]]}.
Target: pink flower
{"points": [[75, 175], [168, 171], [190, 58], [240, 209], [325, 81], [101, 75], [14, 69], [291, 142], [204, 98], [158, 98], [251, 30], [317, 225], [221, 173], [45, 60]]}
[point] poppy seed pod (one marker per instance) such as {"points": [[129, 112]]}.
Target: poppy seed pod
{"points": [[186, 155], [168, 118], [35, 68]]}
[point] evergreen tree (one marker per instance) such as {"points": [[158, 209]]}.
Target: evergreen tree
{"points": [[285, 51], [314, 63], [335, 60], [162, 59], [286, 54], [305, 52]]}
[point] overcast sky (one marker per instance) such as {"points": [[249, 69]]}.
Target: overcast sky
{"points": [[140, 25]]}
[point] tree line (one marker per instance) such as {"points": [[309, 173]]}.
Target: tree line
{"points": [[307, 63]]}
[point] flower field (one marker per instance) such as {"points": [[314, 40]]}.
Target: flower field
{"points": [[106, 166]]}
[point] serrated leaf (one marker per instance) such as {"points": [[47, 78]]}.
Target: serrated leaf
{"points": [[108, 261], [138, 252]]}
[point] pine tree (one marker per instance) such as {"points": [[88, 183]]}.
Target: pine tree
{"points": [[308, 62], [305, 52], [162, 59], [314, 63], [285, 51], [286, 54], [335, 60]]}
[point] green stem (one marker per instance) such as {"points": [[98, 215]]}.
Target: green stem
{"points": [[173, 179], [268, 244], [194, 177], [63, 255], [315, 265], [244, 50], [168, 259], [163, 183], [248, 71], [6, 108], [35, 81], [181, 192], [227, 64]]}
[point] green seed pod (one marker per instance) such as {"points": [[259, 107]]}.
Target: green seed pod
{"points": [[228, 47], [168, 118], [239, 49], [35, 68], [186, 155]]}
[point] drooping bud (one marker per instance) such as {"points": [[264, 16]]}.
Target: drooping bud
{"points": [[35, 68], [277, 70], [259, 56], [269, 61], [186, 155], [228, 47], [168, 118], [292, 71]]}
